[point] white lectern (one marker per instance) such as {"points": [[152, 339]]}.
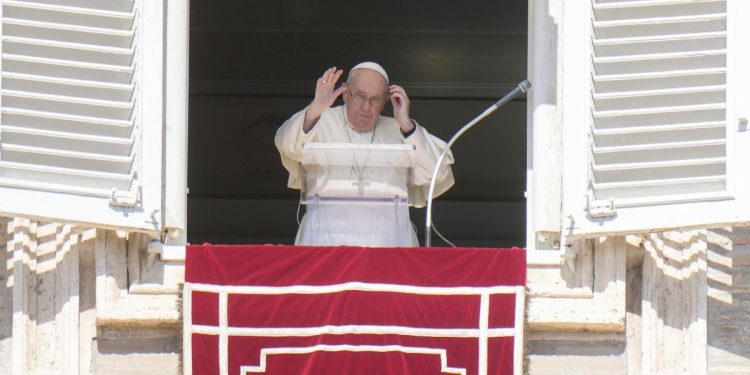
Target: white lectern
{"points": [[357, 194]]}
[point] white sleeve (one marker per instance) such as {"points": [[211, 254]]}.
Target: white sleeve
{"points": [[289, 140], [428, 150]]}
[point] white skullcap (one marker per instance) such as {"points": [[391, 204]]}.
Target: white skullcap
{"points": [[372, 66]]}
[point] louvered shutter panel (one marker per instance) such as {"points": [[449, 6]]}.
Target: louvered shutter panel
{"points": [[72, 123], [660, 136]]}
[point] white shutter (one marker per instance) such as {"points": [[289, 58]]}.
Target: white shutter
{"points": [[81, 120], [652, 138]]}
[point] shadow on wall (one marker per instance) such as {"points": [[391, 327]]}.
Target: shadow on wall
{"points": [[6, 289], [729, 299], [681, 280], [51, 263]]}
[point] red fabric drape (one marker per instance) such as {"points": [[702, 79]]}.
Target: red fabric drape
{"points": [[352, 310]]}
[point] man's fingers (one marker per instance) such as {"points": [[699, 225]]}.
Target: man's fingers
{"points": [[326, 77], [339, 91], [398, 94], [397, 98], [331, 75], [396, 88], [396, 101], [326, 92], [337, 75]]}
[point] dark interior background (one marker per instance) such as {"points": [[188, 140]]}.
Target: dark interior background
{"points": [[253, 63]]}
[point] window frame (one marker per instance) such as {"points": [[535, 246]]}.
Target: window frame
{"points": [[573, 83], [149, 214]]}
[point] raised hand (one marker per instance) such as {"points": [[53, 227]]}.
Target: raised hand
{"points": [[326, 94], [400, 102]]}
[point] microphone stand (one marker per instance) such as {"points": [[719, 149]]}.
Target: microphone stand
{"points": [[521, 88]]}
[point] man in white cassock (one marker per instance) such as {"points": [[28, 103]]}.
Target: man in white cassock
{"points": [[365, 94]]}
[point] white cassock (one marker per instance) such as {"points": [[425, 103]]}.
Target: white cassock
{"points": [[366, 227]]}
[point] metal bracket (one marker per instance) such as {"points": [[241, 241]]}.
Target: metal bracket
{"points": [[167, 253], [600, 208], [123, 198]]}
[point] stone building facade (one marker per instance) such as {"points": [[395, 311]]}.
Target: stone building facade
{"points": [[646, 296], [92, 301]]}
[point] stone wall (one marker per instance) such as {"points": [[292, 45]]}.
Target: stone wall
{"points": [[74, 300], [686, 297], [729, 301], [78, 300], [6, 299], [576, 313], [43, 308]]}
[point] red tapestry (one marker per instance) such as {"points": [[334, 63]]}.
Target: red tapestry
{"points": [[352, 310]]}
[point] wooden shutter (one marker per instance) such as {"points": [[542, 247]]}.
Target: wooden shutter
{"points": [[76, 144], [657, 134]]}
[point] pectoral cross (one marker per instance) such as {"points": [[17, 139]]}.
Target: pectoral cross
{"points": [[360, 184]]}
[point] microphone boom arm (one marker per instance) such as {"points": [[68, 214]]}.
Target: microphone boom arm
{"points": [[521, 88]]}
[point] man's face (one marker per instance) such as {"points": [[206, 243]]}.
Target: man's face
{"points": [[365, 98]]}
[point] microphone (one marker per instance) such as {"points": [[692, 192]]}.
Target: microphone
{"points": [[521, 88]]}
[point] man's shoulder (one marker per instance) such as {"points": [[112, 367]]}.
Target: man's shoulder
{"points": [[333, 115], [337, 111], [388, 121]]}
